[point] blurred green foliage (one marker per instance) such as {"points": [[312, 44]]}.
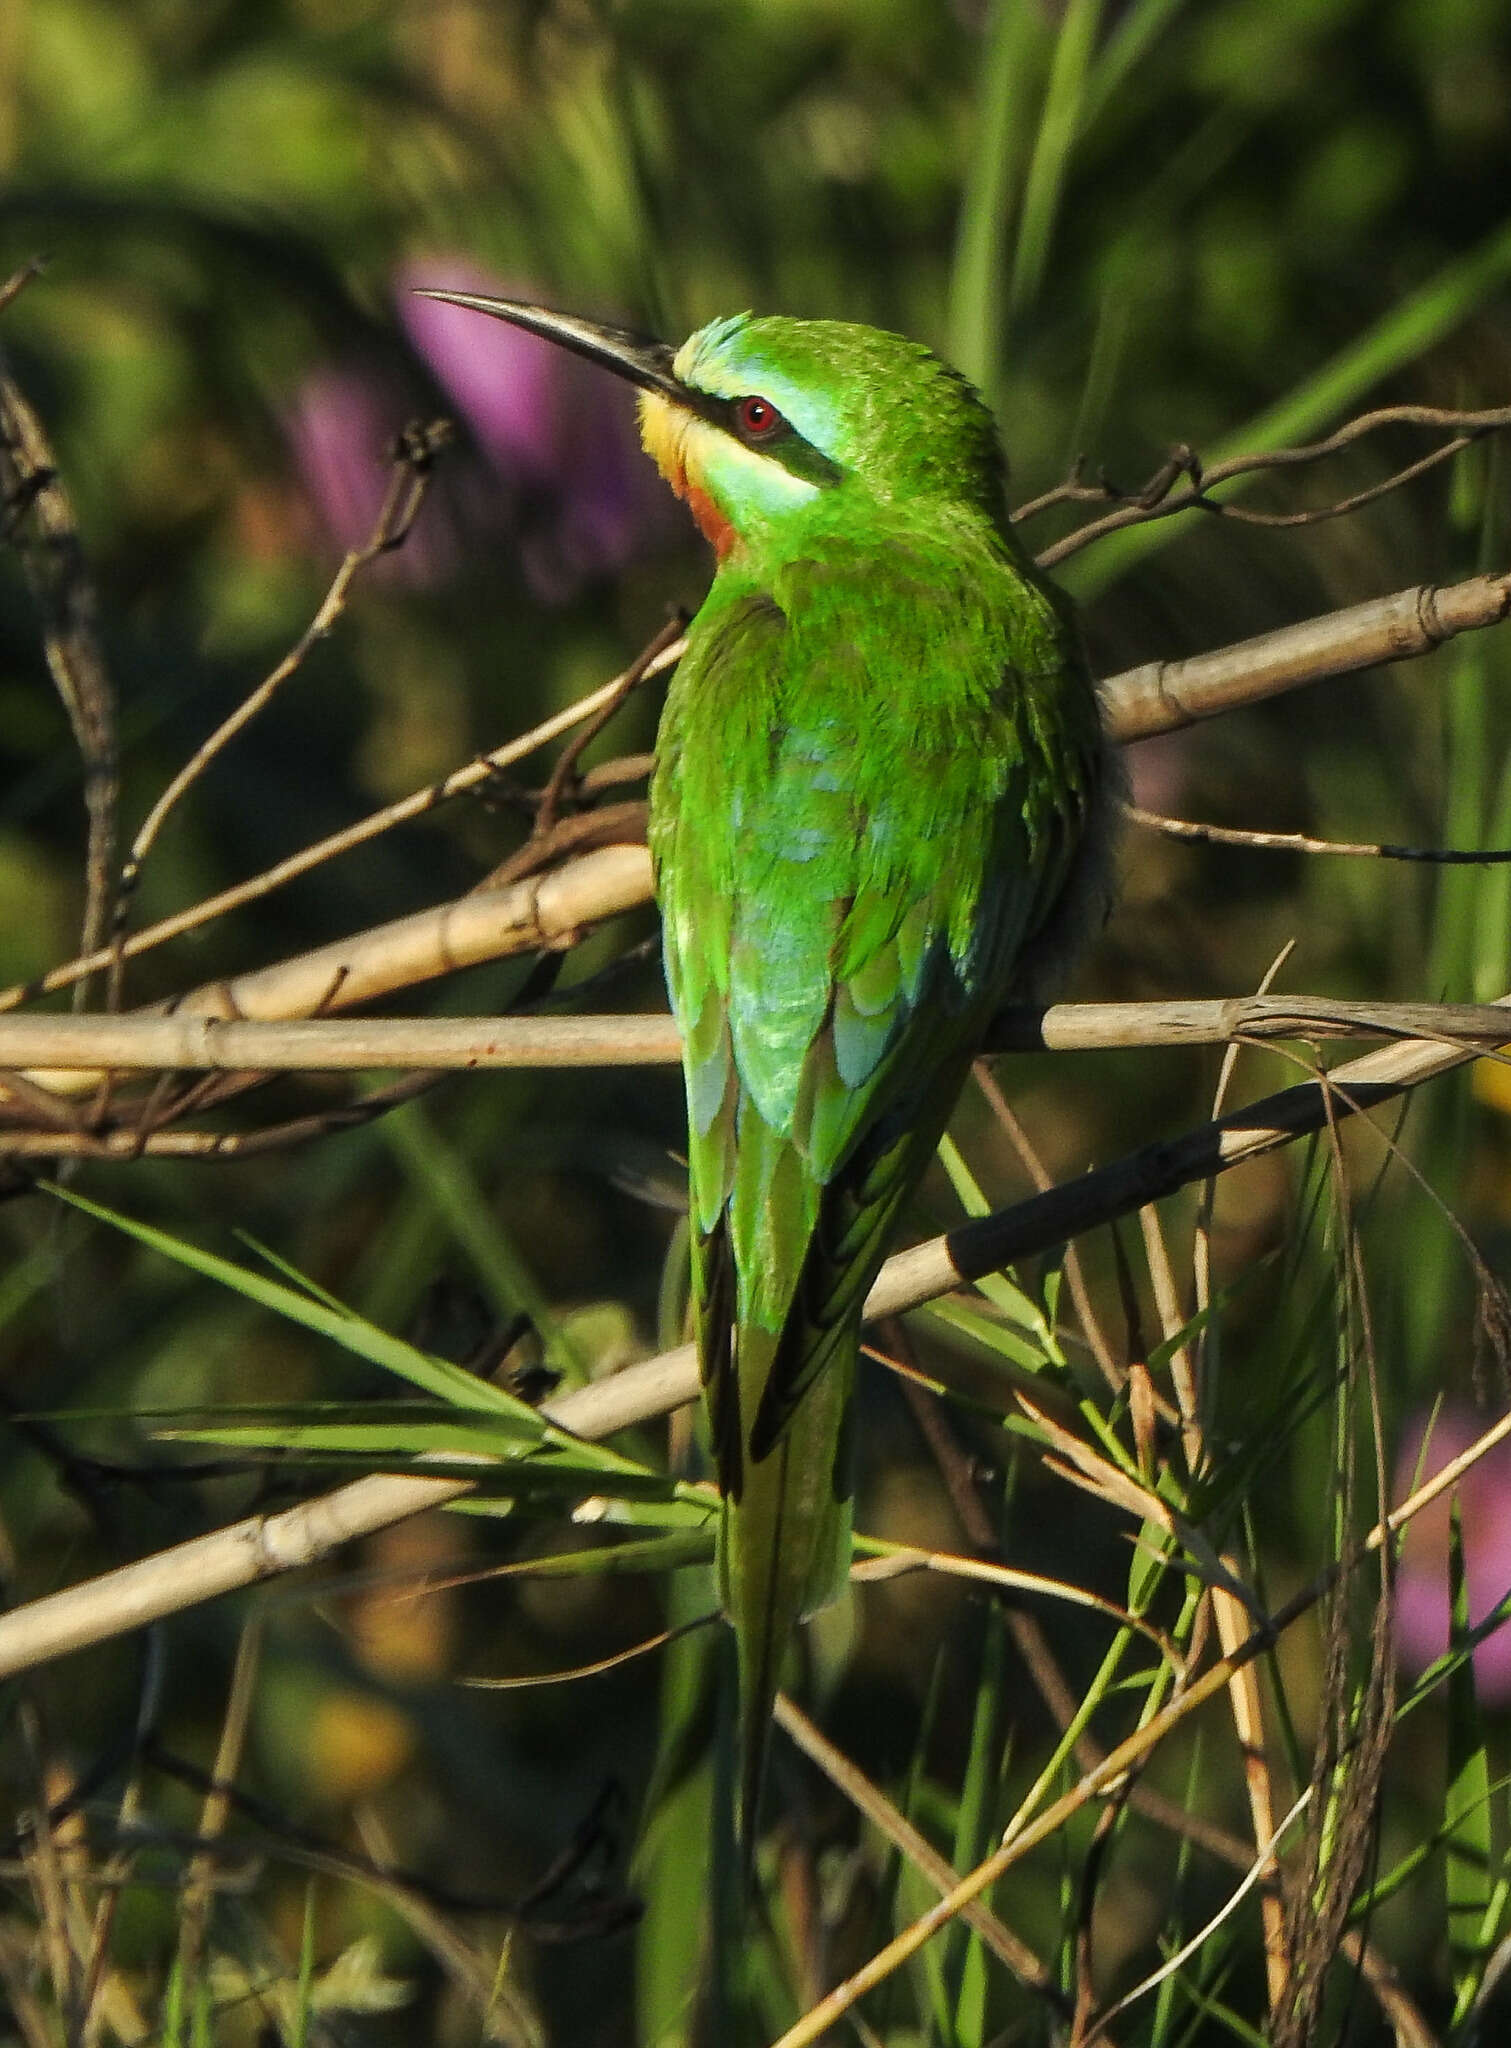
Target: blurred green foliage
{"points": [[1227, 222]]}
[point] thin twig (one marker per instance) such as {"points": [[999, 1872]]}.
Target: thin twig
{"points": [[565, 771], [18, 280], [1158, 498], [474, 775], [1301, 842], [411, 465], [873, 1805], [1252, 1877]]}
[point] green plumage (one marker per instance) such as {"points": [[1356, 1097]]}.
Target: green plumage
{"points": [[877, 815], [877, 767]]}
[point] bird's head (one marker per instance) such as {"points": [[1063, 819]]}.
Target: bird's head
{"points": [[753, 420]]}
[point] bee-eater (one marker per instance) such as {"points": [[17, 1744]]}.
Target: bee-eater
{"points": [[877, 815]]}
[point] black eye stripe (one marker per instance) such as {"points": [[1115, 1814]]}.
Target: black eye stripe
{"points": [[782, 441]]}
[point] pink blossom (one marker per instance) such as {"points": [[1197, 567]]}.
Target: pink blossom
{"points": [[1484, 1494], [558, 432]]}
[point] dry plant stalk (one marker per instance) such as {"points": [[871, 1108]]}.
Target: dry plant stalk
{"points": [[261, 1547], [1157, 697], [77, 1049]]}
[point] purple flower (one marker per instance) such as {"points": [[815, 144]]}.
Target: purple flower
{"points": [[562, 481], [558, 432], [504, 383], [1484, 1495]]}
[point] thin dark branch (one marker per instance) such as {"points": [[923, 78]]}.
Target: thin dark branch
{"points": [[1158, 498], [18, 280], [564, 776], [1301, 842], [37, 518]]}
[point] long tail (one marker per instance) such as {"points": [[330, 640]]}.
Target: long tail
{"points": [[784, 1551]]}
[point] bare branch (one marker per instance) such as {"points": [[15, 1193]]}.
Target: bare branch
{"points": [[411, 466], [475, 775]]}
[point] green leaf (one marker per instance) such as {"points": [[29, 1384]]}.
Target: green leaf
{"points": [[1014, 61], [434, 1443], [343, 1326], [1059, 118], [1002, 1346]]}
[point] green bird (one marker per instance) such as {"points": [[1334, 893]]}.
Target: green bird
{"points": [[878, 814]]}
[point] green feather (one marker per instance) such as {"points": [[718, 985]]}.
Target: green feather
{"points": [[858, 829], [877, 813]]}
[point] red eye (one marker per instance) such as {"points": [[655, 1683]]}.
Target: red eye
{"points": [[758, 419]]}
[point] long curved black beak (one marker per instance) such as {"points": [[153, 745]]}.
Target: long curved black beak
{"points": [[634, 357]]}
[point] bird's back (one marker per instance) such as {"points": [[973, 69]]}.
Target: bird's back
{"points": [[875, 773]]}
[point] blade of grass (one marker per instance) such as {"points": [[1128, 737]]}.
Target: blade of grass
{"points": [[1013, 62], [362, 1339], [966, 1964], [1130, 38], [1059, 119], [304, 1994]]}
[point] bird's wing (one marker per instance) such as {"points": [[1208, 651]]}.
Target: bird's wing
{"points": [[860, 818]]}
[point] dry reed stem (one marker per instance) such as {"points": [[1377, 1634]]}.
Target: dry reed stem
{"points": [[873, 1804], [66, 1054], [474, 775], [1154, 698], [260, 1547], [1103, 1777], [1245, 1697], [199, 1882]]}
